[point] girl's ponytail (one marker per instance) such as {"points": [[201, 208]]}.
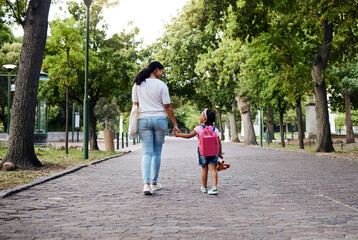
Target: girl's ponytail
{"points": [[145, 72], [210, 118]]}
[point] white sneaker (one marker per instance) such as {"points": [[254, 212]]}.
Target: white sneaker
{"points": [[146, 190], [156, 187]]}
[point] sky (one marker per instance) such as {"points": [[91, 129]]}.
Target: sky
{"points": [[148, 15]]}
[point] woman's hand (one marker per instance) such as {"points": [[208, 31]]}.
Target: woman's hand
{"points": [[221, 156]]}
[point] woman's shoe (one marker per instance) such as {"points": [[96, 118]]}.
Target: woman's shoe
{"points": [[156, 187], [204, 190], [213, 191], [146, 190]]}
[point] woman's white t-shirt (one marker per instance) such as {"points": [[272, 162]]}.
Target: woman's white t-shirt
{"points": [[152, 94]]}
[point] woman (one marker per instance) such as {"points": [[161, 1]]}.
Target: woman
{"points": [[154, 103]]}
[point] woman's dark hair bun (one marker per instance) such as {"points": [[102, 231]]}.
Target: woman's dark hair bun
{"points": [[145, 72]]}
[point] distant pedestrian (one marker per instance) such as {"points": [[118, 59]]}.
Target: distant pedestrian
{"points": [[154, 105], [207, 162]]}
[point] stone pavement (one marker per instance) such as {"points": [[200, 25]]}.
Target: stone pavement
{"points": [[101, 145], [266, 194]]}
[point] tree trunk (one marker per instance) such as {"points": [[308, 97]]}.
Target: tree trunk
{"points": [[220, 126], [67, 100], [324, 138], [67, 117], [92, 122], [108, 140], [270, 122], [282, 132], [21, 138], [301, 133], [244, 108], [349, 124], [227, 128], [3, 118], [233, 128]]}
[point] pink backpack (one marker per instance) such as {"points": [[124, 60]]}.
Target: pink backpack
{"points": [[208, 142]]}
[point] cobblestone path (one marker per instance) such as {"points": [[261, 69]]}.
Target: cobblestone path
{"points": [[266, 194]]}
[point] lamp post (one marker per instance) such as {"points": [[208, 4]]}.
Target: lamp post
{"points": [[9, 68], [85, 99], [261, 132], [217, 116]]}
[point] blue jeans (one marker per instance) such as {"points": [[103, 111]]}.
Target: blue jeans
{"points": [[151, 131], [205, 161]]}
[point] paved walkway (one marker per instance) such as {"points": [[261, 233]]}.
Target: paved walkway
{"points": [[101, 145], [266, 194]]}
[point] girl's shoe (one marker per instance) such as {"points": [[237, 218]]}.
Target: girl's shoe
{"points": [[213, 191], [204, 190]]}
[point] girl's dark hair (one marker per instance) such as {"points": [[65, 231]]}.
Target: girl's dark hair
{"points": [[210, 118], [145, 72]]}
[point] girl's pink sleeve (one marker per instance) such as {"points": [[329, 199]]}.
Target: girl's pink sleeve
{"points": [[198, 130], [217, 132]]}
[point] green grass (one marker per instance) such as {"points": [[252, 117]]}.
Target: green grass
{"points": [[53, 160], [73, 158], [19, 177], [278, 145]]}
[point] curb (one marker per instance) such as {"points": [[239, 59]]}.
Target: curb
{"points": [[107, 158], [10, 192], [324, 155]]}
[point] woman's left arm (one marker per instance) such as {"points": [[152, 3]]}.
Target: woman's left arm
{"points": [[169, 109]]}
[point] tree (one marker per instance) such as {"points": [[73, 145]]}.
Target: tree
{"points": [[63, 54], [9, 54], [192, 51], [292, 47], [218, 77], [335, 18], [107, 111], [6, 36], [33, 16], [244, 108], [323, 19], [347, 87], [179, 49], [113, 61]]}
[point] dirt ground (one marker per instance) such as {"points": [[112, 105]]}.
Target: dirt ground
{"points": [[339, 144], [30, 175]]}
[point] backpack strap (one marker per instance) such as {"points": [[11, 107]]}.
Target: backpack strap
{"points": [[203, 126]]}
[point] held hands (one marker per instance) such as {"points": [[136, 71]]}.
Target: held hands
{"points": [[176, 131]]}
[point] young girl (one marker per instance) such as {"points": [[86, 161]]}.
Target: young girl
{"points": [[207, 117]]}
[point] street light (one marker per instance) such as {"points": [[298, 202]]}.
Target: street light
{"points": [[217, 110], [9, 68], [85, 98]]}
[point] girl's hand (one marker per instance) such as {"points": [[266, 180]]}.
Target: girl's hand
{"points": [[221, 156]]}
